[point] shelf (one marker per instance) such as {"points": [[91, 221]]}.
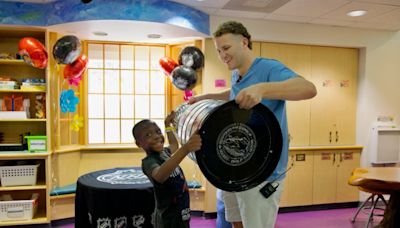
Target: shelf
{"points": [[23, 155], [13, 62], [39, 218], [22, 120], [20, 91], [39, 186]]}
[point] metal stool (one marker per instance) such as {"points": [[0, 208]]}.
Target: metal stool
{"points": [[369, 187]]}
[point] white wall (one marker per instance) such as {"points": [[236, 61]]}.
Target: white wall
{"points": [[379, 74]]}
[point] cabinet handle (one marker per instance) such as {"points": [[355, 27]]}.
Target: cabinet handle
{"points": [[341, 157], [337, 136], [330, 136], [334, 158]]}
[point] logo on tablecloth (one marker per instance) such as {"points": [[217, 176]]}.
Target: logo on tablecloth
{"points": [[126, 176], [104, 223], [121, 222], [138, 220]]}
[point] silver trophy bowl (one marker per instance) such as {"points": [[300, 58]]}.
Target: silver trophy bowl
{"points": [[189, 119]]}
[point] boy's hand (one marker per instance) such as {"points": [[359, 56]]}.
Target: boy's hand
{"points": [[169, 119], [194, 143]]}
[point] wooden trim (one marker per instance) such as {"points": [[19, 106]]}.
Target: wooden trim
{"points": [[65, 196], [312, 148]]}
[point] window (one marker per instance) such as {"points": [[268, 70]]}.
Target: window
{"points": [[125, 85]]}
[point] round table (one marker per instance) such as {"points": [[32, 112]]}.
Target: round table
{"points": [[120, 197]]}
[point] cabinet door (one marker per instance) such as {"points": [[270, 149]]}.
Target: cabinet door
{"points": [[324, 178], [346, 107], [333, 109], [300, 179], [297, 58], [347, 162], [256, 48]]}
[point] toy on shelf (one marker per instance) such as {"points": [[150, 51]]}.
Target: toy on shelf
{"points": [[40, 106], [34, 84], [15, 107], [7, 83]]}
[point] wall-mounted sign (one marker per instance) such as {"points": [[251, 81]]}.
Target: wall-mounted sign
{"points": [[220, 83]]}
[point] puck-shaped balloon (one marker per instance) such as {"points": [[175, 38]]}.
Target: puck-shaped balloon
{"points": [[67, 49], [184, 78], [191, 56]]}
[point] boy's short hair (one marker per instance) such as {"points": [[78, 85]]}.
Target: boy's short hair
{"points": [[233, 27], [140, 125]]}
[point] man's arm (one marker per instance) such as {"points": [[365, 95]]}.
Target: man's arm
{"points": [[224, 95], [293, 89]]}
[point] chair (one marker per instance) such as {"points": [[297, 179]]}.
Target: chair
{"points": [[369, 186]]}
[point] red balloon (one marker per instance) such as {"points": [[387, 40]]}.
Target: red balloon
{"points": [[76, 68], [33, 52], [167, 65]]}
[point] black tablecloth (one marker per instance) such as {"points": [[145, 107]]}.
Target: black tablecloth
{"points": [[120, 197]]}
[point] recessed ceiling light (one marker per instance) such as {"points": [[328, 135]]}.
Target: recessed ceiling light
{"points": [[100, 33], [154, 36], [356, 13]]}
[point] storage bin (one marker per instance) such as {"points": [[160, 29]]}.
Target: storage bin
{"points": [[18, 175], [36, 143], [18, 209]]}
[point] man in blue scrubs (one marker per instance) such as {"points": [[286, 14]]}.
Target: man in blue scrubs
{"points": [[256, 80]]}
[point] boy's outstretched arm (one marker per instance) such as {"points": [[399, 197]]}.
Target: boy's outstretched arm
{"points": [[161, 173]]}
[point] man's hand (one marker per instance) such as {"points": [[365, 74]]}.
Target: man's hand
{"points": [[192, 100], [249, 97]]}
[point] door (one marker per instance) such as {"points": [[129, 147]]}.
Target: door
{"points": [[300, 178], [334, 72], [347, 162], [297, 58], [324, 178]]}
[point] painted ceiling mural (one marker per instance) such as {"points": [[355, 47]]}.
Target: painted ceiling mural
{"points": [[64, 11]]}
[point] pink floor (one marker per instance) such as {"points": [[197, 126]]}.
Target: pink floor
{"points": [[339, 218]]}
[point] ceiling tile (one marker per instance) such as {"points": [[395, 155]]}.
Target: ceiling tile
{"points": [[309, 8], [392, 17], [208, 10], [383, 2], [288, 18], [204, 3], [244, 14], [374, 10]]}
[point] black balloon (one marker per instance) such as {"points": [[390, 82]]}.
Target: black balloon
{"points": [[67, 49], [192, 56], [184, 78]]}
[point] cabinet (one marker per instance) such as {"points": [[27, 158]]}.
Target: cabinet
{"points": [[331, 172], [13, 129], [298, 179], [42, 186], [319, 176], [297, 58], [333, 110], [328, 118]]}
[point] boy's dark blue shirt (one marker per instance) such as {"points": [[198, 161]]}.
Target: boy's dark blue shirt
{"points": [[172, 196]]}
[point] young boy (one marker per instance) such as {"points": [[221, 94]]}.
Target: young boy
{"points": [[161, 165]]}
